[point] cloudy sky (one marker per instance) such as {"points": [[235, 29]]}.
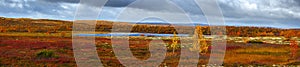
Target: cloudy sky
{"points": [[270, 13]]}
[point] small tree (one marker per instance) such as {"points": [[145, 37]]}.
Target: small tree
{"points": [[174, 42], [199, 41]]}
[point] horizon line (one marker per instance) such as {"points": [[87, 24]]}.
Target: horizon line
{"points": [[145, 23]]}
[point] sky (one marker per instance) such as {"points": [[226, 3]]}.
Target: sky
{"points": [[263, 13]]}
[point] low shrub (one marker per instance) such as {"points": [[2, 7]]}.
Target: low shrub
{"points": [[46, 54], [255, 41]]}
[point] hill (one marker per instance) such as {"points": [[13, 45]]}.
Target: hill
{"points": [[54, 26]]}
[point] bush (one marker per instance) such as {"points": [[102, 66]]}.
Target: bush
{"points": [[46, 54], [255, 41]]}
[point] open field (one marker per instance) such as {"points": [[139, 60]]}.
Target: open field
{"points": [[48, 43], [25, 51]]}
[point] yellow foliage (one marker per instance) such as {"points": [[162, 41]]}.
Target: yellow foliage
{"points": [[199, 41], [174, 42]]}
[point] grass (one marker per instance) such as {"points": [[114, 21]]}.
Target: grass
{"points": [[265, 53], [46, 54], [257, 54], [60, 53], [68, 34], [257, 48]]}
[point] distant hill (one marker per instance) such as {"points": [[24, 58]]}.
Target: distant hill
{"points": [[164, 23], [53, 26]]}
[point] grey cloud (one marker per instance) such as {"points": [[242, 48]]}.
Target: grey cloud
{"points": [[109, 3], [59, 1], [118, 3], [152, 5], [35, 9]]}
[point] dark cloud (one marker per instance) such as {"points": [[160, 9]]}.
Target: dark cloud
{"points": [[110, 3], [118, 3], [35, 9], [153, 5], [298, 2], [66, 1]]}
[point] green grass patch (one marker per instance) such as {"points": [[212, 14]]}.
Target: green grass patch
{"points": [[46, 54]]}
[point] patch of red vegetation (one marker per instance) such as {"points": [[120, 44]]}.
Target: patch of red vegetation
{"points": [[23, 49]]}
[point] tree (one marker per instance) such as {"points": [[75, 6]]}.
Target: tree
{"points": [[174, 42], [199, 43]]}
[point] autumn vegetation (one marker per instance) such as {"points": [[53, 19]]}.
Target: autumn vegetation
{"points": [[57, 26], [48, 43]]}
